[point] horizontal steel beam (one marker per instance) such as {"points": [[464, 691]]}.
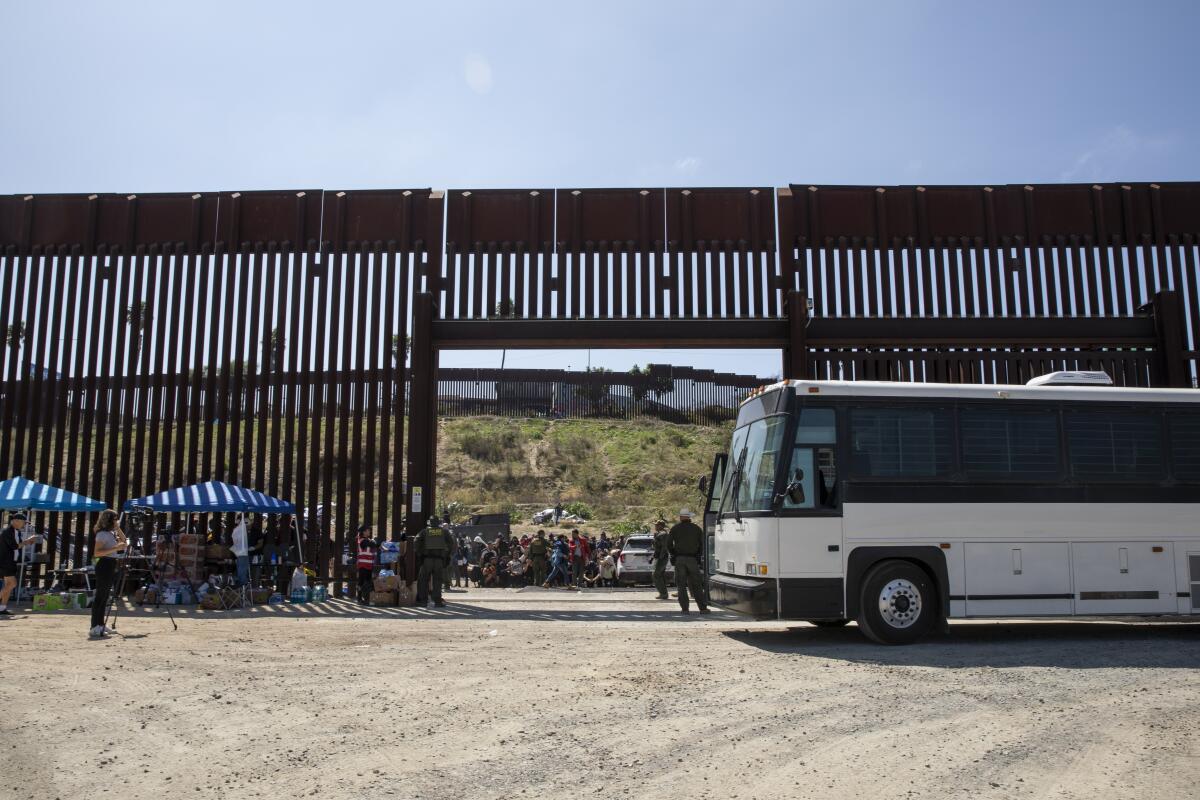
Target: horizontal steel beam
{"points": [[554, 334], [544, 334], [981, 331]]}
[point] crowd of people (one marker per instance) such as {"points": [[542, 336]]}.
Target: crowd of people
{"points": [[545, 559], [542, 559]]}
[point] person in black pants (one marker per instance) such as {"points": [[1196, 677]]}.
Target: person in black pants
{"points": [[365, 561], [10, 543], [110, 540]]}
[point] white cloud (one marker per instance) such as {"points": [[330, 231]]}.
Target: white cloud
{"points": [[478, 73], [688, 165], [1113, 151]]}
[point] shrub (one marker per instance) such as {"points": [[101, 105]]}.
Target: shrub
{"points": [[579, 509], [493, 447]]}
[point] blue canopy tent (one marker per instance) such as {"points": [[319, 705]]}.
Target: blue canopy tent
{"points": [[215, 497], [211, 497], [22, 493], [19, 493]]}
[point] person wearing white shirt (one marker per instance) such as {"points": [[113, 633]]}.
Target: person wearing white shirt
{"points": [[241, 550]]}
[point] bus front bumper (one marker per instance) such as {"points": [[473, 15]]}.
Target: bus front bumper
{"points": [[750, 596]]}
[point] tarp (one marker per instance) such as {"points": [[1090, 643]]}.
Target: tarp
{"points": [[18, 492], [212, 497]]}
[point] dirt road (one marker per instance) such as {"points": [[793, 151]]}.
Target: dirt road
{"points": [[536, 694]]}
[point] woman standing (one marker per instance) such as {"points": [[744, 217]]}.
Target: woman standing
{"points": [[365, 562], [110, 540]]}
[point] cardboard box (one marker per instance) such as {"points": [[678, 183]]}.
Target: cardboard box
{"points": [[383, 598], [48, 602], [389, 583], [407, 594], [191, 554]]}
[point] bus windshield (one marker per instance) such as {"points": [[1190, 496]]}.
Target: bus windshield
{"points": [[753, 458]]}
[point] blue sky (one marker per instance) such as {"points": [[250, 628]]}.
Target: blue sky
{"points": [[154, 96]]}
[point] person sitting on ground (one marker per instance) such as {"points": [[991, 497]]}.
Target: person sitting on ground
{"points": [[591, 574], [489, 574], [516, 572], [608, 570]]}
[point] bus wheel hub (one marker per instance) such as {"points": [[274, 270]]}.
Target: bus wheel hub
{"points": [[900, 603]]}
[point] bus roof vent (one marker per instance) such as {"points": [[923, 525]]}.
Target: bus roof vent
{"points": [[1071, 378]]}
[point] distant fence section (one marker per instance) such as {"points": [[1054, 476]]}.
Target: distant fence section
{"points": [[673, 394]]}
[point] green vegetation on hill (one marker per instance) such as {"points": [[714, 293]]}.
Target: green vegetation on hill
{"points": [[627, 472]]}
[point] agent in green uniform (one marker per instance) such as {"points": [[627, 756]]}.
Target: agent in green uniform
{"points": [[539, 550], [661, 556], [685, 542], [432, 547]]}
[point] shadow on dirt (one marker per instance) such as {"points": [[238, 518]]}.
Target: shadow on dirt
{"points": [[1071, 645]]}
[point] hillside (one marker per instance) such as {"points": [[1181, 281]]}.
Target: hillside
{"points": [[627, 472]]}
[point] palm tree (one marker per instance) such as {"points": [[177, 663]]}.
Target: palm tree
{"points": [[137, 318]]}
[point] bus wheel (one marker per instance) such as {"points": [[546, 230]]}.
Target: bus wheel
{"points": [[829, 623], [898, 604]]}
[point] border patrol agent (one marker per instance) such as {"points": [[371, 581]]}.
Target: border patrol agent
{"points": [[661, 554], [432, 548], [539, 548], [686, 545]]}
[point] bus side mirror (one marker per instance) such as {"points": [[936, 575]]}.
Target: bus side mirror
{"points": [[795, 489], [703, 485]]}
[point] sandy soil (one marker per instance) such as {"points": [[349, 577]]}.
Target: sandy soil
{"points": [[537, 694]]}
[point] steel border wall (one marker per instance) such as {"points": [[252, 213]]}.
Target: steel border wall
{"points": [[178, 307]]}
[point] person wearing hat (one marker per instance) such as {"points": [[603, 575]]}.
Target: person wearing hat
{"points": [[10, 543], [365, 562], [432, 548], [685, 543]]}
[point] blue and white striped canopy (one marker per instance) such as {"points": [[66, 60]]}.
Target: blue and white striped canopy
{"points": [[210, 497], [18, 492]]}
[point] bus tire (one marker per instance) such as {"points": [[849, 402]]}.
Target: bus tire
{"points": [[828, 623], [899, 603]]}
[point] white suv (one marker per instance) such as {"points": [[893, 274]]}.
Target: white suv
{"points": [[635, 566]]}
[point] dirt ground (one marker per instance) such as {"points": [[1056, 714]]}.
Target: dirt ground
{"points": [[605, 694]]}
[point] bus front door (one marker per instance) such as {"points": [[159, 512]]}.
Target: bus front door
{"points": [[712, 502]]}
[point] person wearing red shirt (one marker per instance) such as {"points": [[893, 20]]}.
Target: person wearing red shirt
{"points": [[579, 557]]}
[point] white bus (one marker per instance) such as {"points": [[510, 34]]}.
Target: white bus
{"points": [[899, 505]]}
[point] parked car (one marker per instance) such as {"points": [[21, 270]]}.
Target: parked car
{"points": [[546, 516], [634, 564]]}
